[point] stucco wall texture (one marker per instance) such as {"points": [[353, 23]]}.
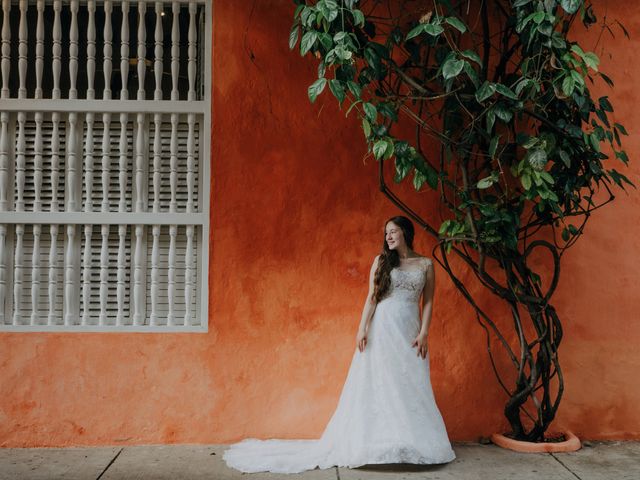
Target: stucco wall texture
{"points": [[296, 219]]}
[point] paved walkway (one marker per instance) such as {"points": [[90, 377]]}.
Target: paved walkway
{"points": [[595, 461]]}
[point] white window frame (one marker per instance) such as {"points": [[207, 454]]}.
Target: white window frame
{"points": [[11, 108]]}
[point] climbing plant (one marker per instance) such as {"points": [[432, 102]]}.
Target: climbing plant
{"points": [[488, 103]]}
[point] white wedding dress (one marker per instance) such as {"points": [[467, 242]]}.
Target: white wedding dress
{"points": [[386, 413]]}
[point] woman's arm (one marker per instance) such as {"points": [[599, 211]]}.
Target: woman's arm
{"points": [[427, 305], [369, 308]]}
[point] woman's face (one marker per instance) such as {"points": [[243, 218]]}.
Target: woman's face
{"points": [[393, 236]]}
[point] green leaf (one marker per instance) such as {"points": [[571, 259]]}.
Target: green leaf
{"points": [[452, 68], [418, 179], [325, 40], [354, 88], [370, 111], [537, 158], [505, 91], [485, 91], [380, 148], [415, 32], [592, 60], [316, 89], [337, 89], [444, 226], [433, 30], [493, 146], [293, 36], [605, 104], [358, 17], [571, 6], [568, 85], [366, 128], [520, 3], [486, 182], [547, 177], [503, 113], [456, 23], [308, 40], [621, 128], [525, 179], [471, 55], [564, 156]]}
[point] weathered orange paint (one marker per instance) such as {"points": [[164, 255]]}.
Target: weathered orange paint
{"points": [[296, 220]]}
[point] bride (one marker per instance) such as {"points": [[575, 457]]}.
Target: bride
{"points": [[386, 412]]}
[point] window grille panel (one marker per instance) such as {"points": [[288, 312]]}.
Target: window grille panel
{"points": [[104, 144]]}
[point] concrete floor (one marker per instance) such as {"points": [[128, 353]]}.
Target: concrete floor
{"points": [[595, 461]]}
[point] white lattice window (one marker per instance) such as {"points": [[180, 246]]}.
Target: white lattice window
{"points": [[104, 165]]}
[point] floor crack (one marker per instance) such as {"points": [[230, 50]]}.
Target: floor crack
{"points": [[337, 473], [110, 463], [560, 462]]}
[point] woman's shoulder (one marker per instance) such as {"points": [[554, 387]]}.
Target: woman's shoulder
{"points": [[425, 261]]}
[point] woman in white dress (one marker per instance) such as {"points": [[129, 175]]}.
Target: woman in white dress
{"points": [[386, 412]]}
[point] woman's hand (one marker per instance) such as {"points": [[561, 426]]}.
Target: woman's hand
{"points": [[361, 340], [421, 343]]}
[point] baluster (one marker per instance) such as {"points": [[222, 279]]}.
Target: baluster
{"points": [[159, 51], [4, 160], [171, 277], [142, 49], [86, 275], [122, 174], [122, 230], [104, 275], [37, 163], [39, 47], [138, 286], [173, 162], [35, 274], [5, 63], [55, 160], [106, 117], [88, 163], [72, 164], [175, 51], [21, 146], [56, 64], [3, 270], [91, 49], [107, 50], [155, 274], [53, 277], [106, 160], [73, 50], [17, 274], [124, 51], [140, 163], [69, 270], [22, 50], [188, 277]]}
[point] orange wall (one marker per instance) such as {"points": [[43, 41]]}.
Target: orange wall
{"points": [[296, 220]]}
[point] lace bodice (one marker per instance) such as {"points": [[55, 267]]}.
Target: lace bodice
{"points": [[407, 283]]}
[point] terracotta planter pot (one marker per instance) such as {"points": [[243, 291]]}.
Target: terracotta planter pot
{"points": [[571, 444]]}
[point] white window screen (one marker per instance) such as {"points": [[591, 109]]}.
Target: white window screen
{"points": [[104, 178]]}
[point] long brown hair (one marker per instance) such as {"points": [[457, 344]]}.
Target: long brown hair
{"points": [[389, 259]]}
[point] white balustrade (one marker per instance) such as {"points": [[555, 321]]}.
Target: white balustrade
{"points": [[58, 173]]}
